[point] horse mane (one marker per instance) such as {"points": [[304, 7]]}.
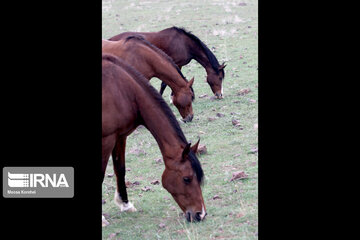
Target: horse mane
{"points": [[211, 57], [144, 83], [196, 166], [161, 53]]}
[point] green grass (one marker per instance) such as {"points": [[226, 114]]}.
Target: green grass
{"points": [[223, 25]]}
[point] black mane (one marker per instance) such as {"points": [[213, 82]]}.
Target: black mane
{"points": [[211, 57], [162, 53], [196, 166], [144, 83]]}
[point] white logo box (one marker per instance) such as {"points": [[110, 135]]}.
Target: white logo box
{"points": [[38, 182]]}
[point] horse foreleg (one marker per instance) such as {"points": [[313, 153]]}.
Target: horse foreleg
{"points": [[162, 88], [118, 156], [107, 145], [104, 164]]}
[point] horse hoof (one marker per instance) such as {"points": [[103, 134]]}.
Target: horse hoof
{"points": [[133, 209], [124, 207], [104, 222], [127, 207]]}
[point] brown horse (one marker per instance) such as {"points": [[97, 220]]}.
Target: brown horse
{"points": [[128, 100], [152, 62], [182, 46]]}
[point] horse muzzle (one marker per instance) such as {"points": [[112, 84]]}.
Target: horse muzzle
{"points": [[219, 96], [195, 217], [188, 118]]}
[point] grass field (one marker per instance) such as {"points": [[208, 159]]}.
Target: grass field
{"points": [[229, 28]]}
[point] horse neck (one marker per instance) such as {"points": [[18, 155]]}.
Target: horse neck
{"points": [[159, 125], [199, 55], [164, 70]]}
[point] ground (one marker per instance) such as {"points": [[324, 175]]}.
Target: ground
{"points": [[230, 30]]}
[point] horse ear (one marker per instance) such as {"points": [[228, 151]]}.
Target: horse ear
{"points": [[186, 151], [195, 147], [222, 66], [190, 83]]}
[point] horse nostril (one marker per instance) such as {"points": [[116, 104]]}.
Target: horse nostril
{"points": [[218, 95], [188, 118], [188, 216], [191, 117], [199, 217]]}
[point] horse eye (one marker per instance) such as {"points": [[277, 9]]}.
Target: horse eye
{"points": [[187, 180]]}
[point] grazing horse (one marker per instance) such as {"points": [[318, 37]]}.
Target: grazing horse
{"points": [[152, 62], [182, 46], [128, 100]]}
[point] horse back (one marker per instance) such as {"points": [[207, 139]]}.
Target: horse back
{"points": [[175, 45], [133, 53]]}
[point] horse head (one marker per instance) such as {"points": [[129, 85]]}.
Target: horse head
{"points": [[215, 79], [182, 100], [182, 178]]}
